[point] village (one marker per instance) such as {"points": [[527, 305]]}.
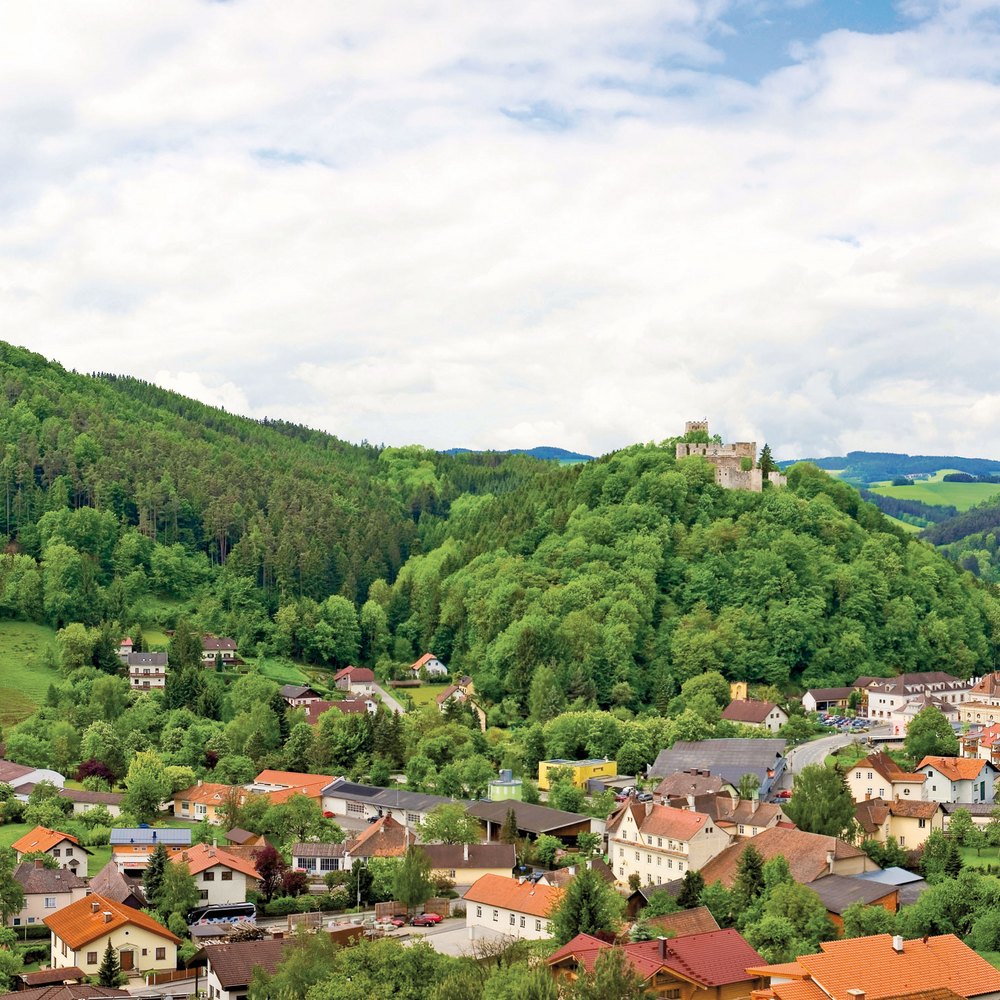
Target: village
{"points": [[699, 815]]}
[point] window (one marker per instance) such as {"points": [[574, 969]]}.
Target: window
{"points": [[329, 864], [203, 894], [680, 866], [161, 954], [659, 841], [451, 873], [522, 922], [538, 925], [658, 860], [857, 774], [621, 852], [743, 829], [413, 818], [91, 958], [208, 876], [17, 921], [672, 994], [358, 808], [57, 853], [69, 852], [145, 951], [869, 775], [636, 855], [64, 949], [512, 920], [496, 916], [50, 902], [227, 876], [649, 840], [479, 911], [902, 841], [922, 823]]}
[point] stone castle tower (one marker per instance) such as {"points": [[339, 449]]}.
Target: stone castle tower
{"points": [[729, 461]]}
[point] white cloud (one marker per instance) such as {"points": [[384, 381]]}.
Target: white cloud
{"points": [[433, 223]]}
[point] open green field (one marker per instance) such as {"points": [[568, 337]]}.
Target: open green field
{"points": [[971, 859], [936, 492], [426, 694], [24, 677], [282, 671], [912, 528]]}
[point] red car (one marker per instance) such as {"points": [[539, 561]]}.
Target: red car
{"points": [[397, 921], [426, 919]]}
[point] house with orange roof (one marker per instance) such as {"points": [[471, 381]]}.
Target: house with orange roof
{"points": [[881, 967], [911, 823], [707, 966], [204, 801], [221, 876], [958, 779], [499, 905], [982, 742], [63, 848], [80, 933], [879, 776], [660, 843], [282, 785], [430, 665]]}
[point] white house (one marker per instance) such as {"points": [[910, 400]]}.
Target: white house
{"points": [[221, 877], [878, 776], [63, 848], [431, 665], [958, 779], [760, 714], [498, 905], [661, 843], [147, 671]]}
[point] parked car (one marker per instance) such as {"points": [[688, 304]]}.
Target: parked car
{"points": [[644, 797], [426, 919], [785, 793]]}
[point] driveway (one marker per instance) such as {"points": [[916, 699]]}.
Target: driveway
{"points": [[388, 700]]}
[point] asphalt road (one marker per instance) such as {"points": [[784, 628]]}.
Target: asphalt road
{"points": [[818, 750]]}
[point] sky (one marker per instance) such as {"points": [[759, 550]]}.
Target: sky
{"points": [[570, 223]]}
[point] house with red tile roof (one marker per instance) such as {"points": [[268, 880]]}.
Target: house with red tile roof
{"points": [[63, 848], [204, 801], [661, 843], [759, 714], [708, 966], [879, 776], [958, 779], [81, 931], [881, 967], [809, 855], [499, 905], [282, 785]]}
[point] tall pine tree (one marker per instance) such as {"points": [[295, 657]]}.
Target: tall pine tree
{"points": [[152, 877]]}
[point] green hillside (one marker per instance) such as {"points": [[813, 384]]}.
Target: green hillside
{"points": [[936, 492], [27, 668]]}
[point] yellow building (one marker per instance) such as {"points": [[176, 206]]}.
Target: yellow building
{"points": [[582, 771], [739, 691], [465, 864], [911, 823], [81, 932]]}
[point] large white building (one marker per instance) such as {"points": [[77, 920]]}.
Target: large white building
{"points": [[661, 843], [501, 906]]}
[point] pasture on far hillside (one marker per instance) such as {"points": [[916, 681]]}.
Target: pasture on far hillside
{"points": [[25, 671], [936, 492]]}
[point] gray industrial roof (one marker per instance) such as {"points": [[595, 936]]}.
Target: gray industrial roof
{"points": [[728, 758], [169, 835]]}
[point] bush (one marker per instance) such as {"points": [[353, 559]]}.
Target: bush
{"points": [[30, 931], [96, 836], [459, 911], [282, 906], [35, 952]]}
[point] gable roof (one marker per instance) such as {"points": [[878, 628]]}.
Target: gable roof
{"points": [[10, 772], [563, 876], [661, 821], [887, 767], [240, 836], [694, 782], [710, 960], [522, 896], [43, 839], [359, 674], [532, 818], [872, 964], [830, 694], [385, 838], [728, 758], [751, 712], [207, 793], [218, 644], [147, 659], [296, 691], [956, 768], [72, 992], [233, 963], [839, 891], [33, 879], [86, 920], [806, 854], [697, 920], [201, 857], [291, 779], [112, 884], [452, 856], [91, 798]]}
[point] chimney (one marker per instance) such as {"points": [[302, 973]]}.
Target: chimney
{"points": [[897, 944], [829, 861], [690, 805], [107, 914], [94, 906], [856, 994], [664, 949], [465, 853], [39, 863]]}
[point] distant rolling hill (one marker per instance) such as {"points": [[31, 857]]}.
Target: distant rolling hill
{"points": [[547, 453], [864, 467]]}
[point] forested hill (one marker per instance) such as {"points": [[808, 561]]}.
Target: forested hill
{"points": [[608, 582], [153, 488], [866, 467]]}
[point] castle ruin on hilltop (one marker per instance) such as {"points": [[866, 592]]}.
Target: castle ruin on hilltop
{"points": [[735, 464]]}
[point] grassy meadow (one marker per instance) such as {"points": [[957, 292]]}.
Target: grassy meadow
{"points": [[24, 675], [936, 492]]}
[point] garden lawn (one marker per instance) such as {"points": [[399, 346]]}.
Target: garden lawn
{"points": [[282, 671], [971, 859], [25, 677], [100, 856], [426, 694]]}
